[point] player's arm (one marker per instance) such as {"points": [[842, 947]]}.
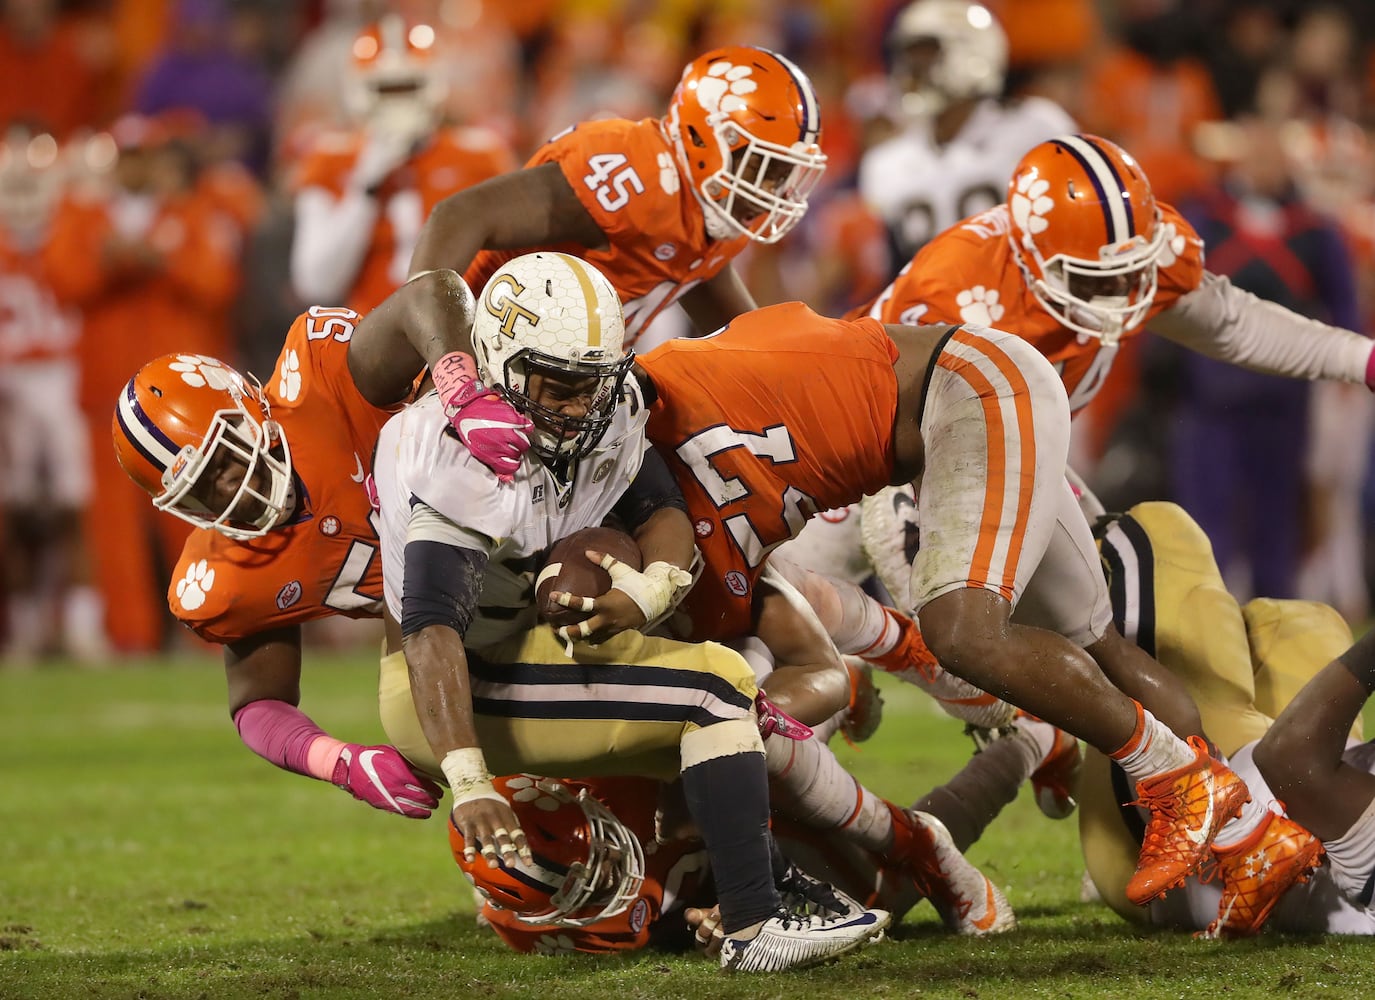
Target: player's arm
{"points": [[717, 301], [263, 672], [1230, 324], [655, 514], [531, 207], [428, 321], [1301, 754], [442, 580]]}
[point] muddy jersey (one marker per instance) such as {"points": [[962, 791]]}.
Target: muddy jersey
{"points": [[780, 415], [625, 175], [453, 159], [968, 274], [676, 876], [324, 561]]}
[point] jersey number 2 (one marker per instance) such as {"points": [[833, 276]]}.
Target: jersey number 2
{"points": [[775, 444]]}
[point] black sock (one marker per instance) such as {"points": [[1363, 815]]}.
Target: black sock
{"points": [[729, 801]]}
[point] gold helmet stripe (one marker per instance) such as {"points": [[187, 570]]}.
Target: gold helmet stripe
{"points": [[594, 312]]}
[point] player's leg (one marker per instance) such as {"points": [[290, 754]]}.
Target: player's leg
{"points": [[994, 502]]}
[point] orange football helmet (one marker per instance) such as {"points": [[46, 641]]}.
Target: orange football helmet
{"points": [[745, 124], [185, 415], [1086, 233], [394, 83], [587, 864]]}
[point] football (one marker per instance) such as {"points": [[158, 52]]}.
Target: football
{"points": [[568, 569]]}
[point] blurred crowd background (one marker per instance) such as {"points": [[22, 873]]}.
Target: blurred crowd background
{"points": [[156, 153]]}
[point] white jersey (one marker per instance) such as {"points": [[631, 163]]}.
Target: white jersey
{"points": [[431, 487], [920, 188]]}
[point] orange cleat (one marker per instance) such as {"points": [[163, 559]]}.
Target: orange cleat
{"points": [[1188, 806], [1258, 871], [967, 901], [1055, 781], [866, 704]]}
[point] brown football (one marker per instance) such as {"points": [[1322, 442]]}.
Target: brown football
{"points": [[568, 569]]}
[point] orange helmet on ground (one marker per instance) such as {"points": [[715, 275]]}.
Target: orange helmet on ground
{"points": [[1086, 233], [587, 864], [181, 422], [746, 126], [393, 82]]}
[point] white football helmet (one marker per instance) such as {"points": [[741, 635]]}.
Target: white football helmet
{"points": [[31, 183], [970, 58], [551, 312], [393, 82]]}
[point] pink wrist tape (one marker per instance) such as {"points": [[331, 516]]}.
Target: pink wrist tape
{"points": [[1370, 371], [283, 735]]}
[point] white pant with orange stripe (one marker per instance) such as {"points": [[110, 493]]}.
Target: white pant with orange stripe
{"points": [[996, 509]]}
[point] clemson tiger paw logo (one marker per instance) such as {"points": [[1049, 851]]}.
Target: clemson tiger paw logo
{"points": [[192, 588], [542, 793], [669, 178], [1172, 247], [1029, 203], [980, 305], [724, 87], [199, 371], [289, 381], [555, 944]]}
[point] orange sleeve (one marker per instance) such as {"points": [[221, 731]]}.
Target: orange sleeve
{"points": [[614, 177]]}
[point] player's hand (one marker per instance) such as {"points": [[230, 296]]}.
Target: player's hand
{"points": [[383, 779], [706, 929], [772, 719], [495, 431], [489, 827], [637, 599]]}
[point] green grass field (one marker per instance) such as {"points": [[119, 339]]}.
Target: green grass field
{"points": [[147, 854]]}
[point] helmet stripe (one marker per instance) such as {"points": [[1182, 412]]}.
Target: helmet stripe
{"points": [[142, 433], [594, 312], [811, 112], [1112, 193]]}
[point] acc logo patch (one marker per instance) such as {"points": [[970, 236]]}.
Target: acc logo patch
{"points": [[665, 251], [704, 528], [639, 913], [329, 525], [603, 470], [289, 594], [737, 584]]}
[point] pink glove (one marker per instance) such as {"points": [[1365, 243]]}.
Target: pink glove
{"points": [[381, 777], [773, 719], [1370, 372], [494, 431]]}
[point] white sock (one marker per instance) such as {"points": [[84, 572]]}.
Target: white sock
{"points": [[1241, 826], [864, 626], [821, 794], [1156, 751], [1041, 733]]}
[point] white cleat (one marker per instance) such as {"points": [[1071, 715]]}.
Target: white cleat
{"points": [[794, 941]]}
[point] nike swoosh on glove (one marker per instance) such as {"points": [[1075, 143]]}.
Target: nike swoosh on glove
{"points": [[773, 719], [383, 779], [495, 431]]}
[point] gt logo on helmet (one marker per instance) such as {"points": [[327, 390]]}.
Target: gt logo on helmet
{"points": [[501, 303]]}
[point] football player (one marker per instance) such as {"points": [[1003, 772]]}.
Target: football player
{"points": [[1080, 255], [660, 206], [957, 141], [482, 686], [275, 473], [1242, 665], [362, 196]]}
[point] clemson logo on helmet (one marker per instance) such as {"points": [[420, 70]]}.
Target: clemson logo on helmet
{"points": [[1029, 203], [199, 371], [723, 86]]}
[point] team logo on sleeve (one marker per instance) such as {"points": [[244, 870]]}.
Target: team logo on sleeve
{"points": [[192, 588], [289, 380], [329, 525], [665, 251], [979, 305], [669, 179], [704, 528], [289, 595]]}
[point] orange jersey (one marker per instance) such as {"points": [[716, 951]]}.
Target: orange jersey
{"points": [[675, 877], [626, 176], [33, 325], [780, 415], [324, 561], [453, 159], [968, 274]]}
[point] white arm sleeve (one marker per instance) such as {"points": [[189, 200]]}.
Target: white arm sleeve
{"points": [[331, 239], [1229, 324]]}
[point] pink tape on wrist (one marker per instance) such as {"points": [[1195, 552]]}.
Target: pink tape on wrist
{"points": [[1370, 371], [455, 376], [283, 735]]}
